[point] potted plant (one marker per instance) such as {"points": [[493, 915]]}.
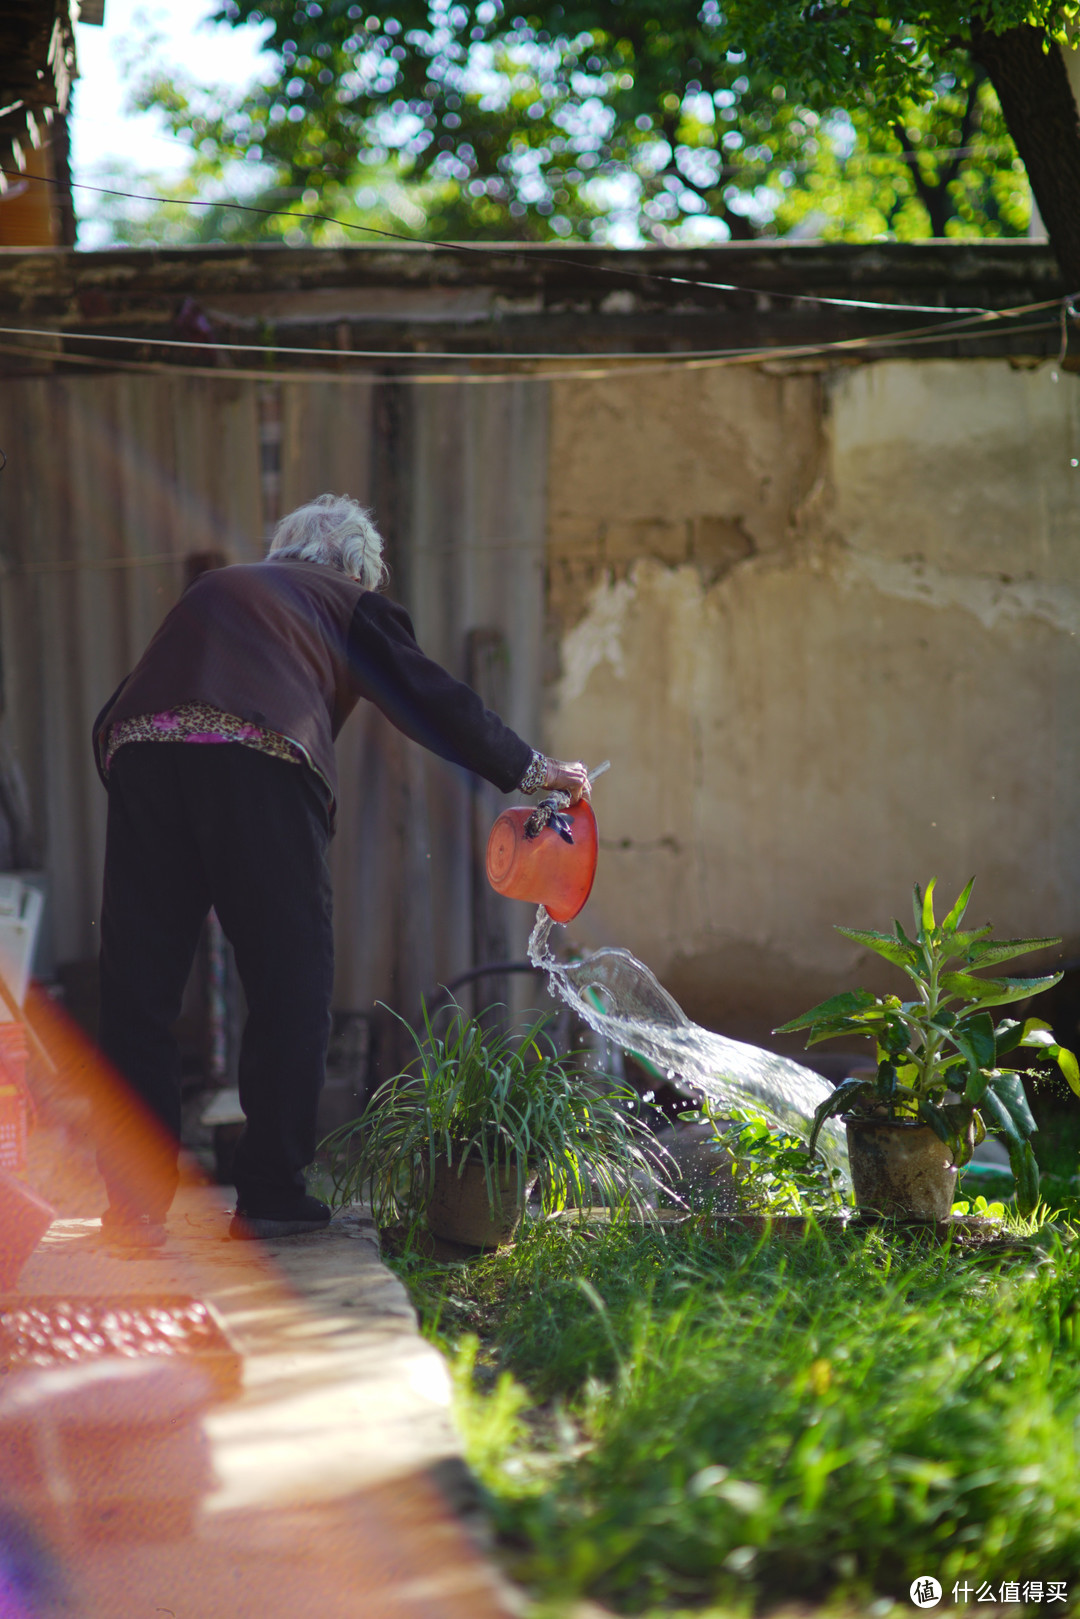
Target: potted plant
{"points": [[478, 1118], [940, 1082]]}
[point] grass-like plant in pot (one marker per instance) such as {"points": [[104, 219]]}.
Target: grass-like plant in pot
{"points": [[940, 1083], [475, 1120]]}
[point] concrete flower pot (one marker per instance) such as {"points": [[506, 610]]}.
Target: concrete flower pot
{"points": [[900, 1169], [459, 1209]]}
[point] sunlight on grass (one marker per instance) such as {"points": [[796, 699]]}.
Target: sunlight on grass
{"points": [[660, 1419]]}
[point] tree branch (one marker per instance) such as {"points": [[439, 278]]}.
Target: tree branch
{"points": [[932, 196]]}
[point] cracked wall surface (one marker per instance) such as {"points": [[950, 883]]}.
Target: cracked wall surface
{"points": [[825, 627]]}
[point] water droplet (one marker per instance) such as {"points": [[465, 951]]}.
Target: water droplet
{"points": [[1054, 377], [1075, 462]]}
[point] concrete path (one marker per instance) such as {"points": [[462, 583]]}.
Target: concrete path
{"points": [[338, 1472]]}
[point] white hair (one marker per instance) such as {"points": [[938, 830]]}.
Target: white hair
{"points": [[336, 531]]}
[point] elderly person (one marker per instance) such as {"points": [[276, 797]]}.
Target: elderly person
{"points": [[218, 755]]}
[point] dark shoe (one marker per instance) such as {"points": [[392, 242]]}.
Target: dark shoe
{"points": [[292, 1219], [129, 1230]]}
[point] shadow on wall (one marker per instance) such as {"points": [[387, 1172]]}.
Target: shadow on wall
{"points": [[746, 990]]}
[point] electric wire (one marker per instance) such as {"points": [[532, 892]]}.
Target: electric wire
{"points": [[601, 368], [457, 354]]}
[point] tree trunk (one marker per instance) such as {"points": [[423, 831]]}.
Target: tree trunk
{"points": [[1036, 98]]}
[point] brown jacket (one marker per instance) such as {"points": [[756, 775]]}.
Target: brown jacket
{"points": [[290, 646]]}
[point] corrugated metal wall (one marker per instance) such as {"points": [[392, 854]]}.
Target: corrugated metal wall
{"points": [[113, 480]]}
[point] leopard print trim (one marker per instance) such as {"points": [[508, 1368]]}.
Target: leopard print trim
{"points": [[199, 722], [535, 774]]}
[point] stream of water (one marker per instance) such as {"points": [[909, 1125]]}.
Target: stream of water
{"points": [[618, 996]]}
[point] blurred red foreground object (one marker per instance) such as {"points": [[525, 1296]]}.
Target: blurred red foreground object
{"points": [[545, 870], [24, 1220], [14, 1098], [114, 1447]]}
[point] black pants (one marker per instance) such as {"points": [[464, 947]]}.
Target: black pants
{"points": [[193, 826]]}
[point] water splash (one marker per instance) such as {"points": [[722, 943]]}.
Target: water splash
{"points": [[618, 996]]}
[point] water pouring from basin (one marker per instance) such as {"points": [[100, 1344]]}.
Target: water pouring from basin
{"points": [[617, 996]]}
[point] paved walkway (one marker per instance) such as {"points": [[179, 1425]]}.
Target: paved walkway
{"points": [[337, 1469]]}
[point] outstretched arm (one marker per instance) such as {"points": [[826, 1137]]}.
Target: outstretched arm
{"points": [[443, 714]]}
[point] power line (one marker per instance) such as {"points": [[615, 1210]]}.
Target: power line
{"points": [[488, 251], [565, 373], [267, 349]]}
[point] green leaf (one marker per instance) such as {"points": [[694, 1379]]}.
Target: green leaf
{"points": [[841, 1097], [975, 1089], [895, 1037], [1021, 1157], [1009, 1090], [960, 943], [1066, 1061], [1001, 1119], [975, 1038], [1026, 1174], [838, 1006], [901, 955], [992, 952], [960, 1116], [927, 922], [860, 1027], [1010, 1032], [994, 991], [937, 1121], [1037, 1035], [885, 1083], [956, 915], [917, 911], [1040, 1037]]}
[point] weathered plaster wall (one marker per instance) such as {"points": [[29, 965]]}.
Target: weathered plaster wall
{"points": [[825, 626]]}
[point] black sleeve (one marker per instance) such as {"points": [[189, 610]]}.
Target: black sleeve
{"points": [[423, 700]]}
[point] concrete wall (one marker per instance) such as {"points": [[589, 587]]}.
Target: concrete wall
{"points": [[825, 626], [821, 619]]}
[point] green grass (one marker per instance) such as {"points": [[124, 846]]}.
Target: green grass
{"points": [[663, 1422]]}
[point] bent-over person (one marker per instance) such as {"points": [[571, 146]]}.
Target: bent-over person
{"points": [[218, 755]]}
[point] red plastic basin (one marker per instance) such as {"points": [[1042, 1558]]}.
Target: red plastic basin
{"points": [[545, 870]]}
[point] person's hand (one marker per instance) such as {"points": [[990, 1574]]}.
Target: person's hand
{"points": [[569, 778]]}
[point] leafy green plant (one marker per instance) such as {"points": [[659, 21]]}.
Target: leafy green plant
{"points": [[507, 1101], [775, 1173], [980, 1207], [944, 1042]]}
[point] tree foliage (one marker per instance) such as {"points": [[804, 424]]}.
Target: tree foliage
{"points": [[613, 121]]}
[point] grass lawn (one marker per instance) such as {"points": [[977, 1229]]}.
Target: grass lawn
{"points": [[661, 1421]]}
